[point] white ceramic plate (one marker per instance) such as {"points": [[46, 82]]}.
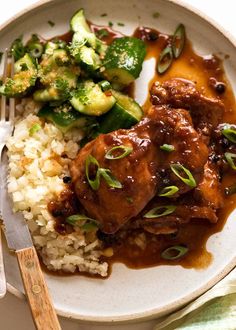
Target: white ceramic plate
{"points": [[130, 294]]}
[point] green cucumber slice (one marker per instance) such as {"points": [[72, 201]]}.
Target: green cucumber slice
{"points": [[78, 21], [125, 113], [89, 99], [25, 77], [63, 118], [123, 60]]}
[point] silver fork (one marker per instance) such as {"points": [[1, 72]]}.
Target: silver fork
{"points": [[6, 129]]}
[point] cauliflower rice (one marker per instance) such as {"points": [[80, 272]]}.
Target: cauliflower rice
{"points": [[36, 171]]}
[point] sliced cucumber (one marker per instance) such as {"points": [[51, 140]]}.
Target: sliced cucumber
{"points": [[89, 99], [125, 113], [64, 118], [123, 60], [53, 45], [47, 94], [78, 21], [88, 58], [25, 77], [58, 75], [61, 57], [84, 36]]}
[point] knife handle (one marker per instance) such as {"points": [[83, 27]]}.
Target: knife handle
{"points": [[40, 302]]}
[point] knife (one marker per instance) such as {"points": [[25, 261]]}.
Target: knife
{"points": [[20, 241]]}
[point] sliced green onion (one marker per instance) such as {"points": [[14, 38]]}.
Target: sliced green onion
{"points": [[94, 184], [156, 14], [17, 49], [168, 191], [130, 200], [35, 49], [109, 178], [51, 23], [155, 213], [87, 224], [167, 147], [165, 60], [105, 85], [102, 33], [231, 190], [230, 159], [126, 151], [34, 129], [229, 133], [178, 40], [174, 252], [177, 168]]}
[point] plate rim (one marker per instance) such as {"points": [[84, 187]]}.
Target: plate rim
{"points": [[156, 312]]}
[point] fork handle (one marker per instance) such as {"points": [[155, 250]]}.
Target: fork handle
{"points": [[42, 310], [2, 272]]}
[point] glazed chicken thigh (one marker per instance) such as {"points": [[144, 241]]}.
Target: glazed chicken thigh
{"points": [[139, 172], [177, 93]]}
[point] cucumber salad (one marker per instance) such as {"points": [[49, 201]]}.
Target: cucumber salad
{"points": [[79, 83]]}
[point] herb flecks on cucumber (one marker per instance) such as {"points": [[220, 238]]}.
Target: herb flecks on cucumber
{"points": [[85, 47], [24, 78], [77, 82], [123, 61], [65, 118], [89, 99], [58, 75]]}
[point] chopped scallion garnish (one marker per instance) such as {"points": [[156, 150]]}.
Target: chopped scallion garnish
{"points": [[156, 14], [95, 183], [110, 178], [102, 33], [160, 211], [165, 60], [104, 172], [35, 49], [105, 85], [86, 223], [17, 48], [178, 169], [167, 147], [230, 159], [178, 40], [129, 200], [174, 252], [168, 191], [51, 23], [118, 152], [34, 129], [229, 133]]}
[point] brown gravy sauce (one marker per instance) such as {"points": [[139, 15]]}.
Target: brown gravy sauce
{"points": [[206, 71]]}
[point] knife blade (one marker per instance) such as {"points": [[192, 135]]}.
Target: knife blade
{"points": [[16, 230], [19, 239]]}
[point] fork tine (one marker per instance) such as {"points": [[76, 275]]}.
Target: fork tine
{"points": [[3, 100], [12, 100]]}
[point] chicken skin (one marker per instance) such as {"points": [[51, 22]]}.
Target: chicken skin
{"points": [[206, 112], [140, 172]]}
